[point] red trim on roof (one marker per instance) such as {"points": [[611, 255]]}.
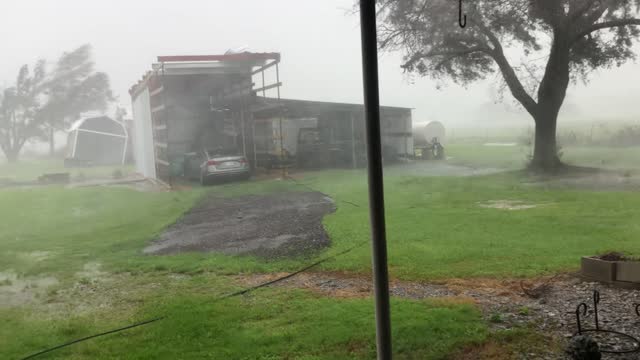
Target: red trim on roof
{"points": [[245, 56]]}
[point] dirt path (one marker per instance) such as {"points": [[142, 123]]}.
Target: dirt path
{"points": [[274, 225]]}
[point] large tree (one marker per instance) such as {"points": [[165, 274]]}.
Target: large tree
{"points": [[571, 37], [42, 103], [74, 87], [20, 117]]}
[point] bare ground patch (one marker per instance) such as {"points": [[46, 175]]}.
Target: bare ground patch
{"points": [[268, 226], [17, 290]]}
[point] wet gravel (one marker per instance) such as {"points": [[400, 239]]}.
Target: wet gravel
{"points": [[276, 225]]}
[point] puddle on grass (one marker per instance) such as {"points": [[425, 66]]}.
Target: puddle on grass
{"points": [[16, 290], [35, 256], [91, 271], [507, 205]]}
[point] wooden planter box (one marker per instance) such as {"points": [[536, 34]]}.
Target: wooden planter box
{"points": [[599, 270], [620, 273], [628, 271]]}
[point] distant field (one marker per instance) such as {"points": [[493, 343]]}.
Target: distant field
{"points": [[515, 157], [30, 170]]}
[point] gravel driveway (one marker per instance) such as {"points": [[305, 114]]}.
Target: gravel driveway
{"points": [[268, 226]]}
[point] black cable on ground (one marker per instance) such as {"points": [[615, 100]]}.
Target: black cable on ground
{"points": [[91, 337], [241, 292], [237, 293]]}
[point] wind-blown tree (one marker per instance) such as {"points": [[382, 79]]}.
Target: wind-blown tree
{"points": [[575, 37], [73, 88], [20, 117]]}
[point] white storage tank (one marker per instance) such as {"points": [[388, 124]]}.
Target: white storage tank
{"points": [[424, 134]]}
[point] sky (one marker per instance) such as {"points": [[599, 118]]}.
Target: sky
{"points": [[319, 42]]}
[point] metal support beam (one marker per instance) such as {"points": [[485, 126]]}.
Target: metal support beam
{"points": [[376, 185], [263, 68], [268, 87]]}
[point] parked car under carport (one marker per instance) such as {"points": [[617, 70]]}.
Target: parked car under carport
{"points": [[210, 165]]}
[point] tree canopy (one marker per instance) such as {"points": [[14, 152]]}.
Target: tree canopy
{"points": [[571, 37], [20, 117], [41, 102], [74, 88]]}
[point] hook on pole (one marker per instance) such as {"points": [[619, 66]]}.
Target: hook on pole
{"points": [[462, 20], [582, 308]]}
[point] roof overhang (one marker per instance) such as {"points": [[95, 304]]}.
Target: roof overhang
{"points": [[239, 57]]}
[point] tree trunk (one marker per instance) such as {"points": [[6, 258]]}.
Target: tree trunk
{"points": [[12, 156], [545, 153], [52, 141], [551, 95]]}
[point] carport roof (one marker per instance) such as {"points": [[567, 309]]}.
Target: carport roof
{"points": [[238, 57], [294, 106]]}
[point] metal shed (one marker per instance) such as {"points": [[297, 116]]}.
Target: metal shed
{"points": [[97, 141], [187, 101], [233, 101]]}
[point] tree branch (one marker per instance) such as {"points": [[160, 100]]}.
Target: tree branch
{"points": [[460, 52], [605, 25], [510, 76], [450, 55]]}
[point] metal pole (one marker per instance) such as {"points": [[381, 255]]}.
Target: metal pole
{"points": [[253, 138], [244, 142], [354, 163], [264, 92], [284, 171], [376, 188]]}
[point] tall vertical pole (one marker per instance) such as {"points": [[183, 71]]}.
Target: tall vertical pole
{"points": [[354, 163], [166, 122], [284, 170], [244, 141], [376, 185], [253, 137]]}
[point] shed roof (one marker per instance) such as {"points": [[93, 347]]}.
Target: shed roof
{"points": [[204, 64], [84, 124], [234, 57]]}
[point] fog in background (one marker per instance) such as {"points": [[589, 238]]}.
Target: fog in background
{"points": [[319, 42]]}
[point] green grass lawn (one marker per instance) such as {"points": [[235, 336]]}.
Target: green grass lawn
{"points": [[56, 232], [269, 324], [436, 230]]}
